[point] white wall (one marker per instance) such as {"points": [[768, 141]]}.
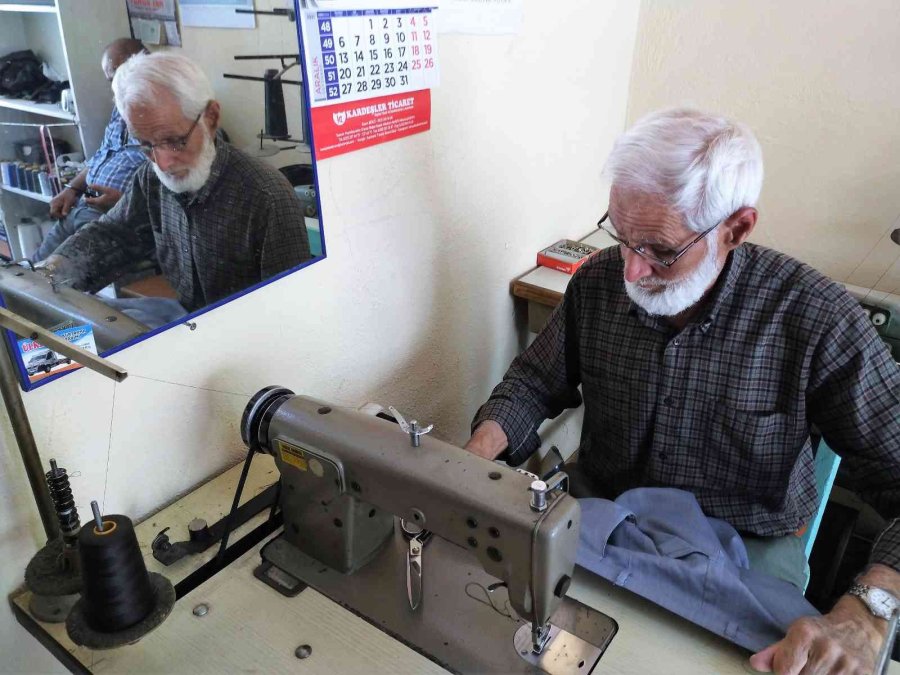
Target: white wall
{"points": [[411, 307], [819, 83]]}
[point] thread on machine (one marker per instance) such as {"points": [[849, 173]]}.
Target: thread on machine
{"points": [[117, 589]]}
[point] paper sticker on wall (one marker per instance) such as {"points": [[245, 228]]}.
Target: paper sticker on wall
{"points": [[369, 73], [345, 127], [41, 362]]}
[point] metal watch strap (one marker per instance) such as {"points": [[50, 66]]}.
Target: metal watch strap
{"points": [[861, 591]]}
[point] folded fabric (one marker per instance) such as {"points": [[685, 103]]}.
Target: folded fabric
{"points": [[658, 543], [152, 312]]}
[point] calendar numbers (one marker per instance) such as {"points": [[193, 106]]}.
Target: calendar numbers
{"points": [[367, 53]]}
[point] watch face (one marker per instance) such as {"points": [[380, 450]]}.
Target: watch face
{"points": [[881, 602]]}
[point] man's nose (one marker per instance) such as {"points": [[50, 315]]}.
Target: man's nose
{"points": [[636, 267], [164, 159]]}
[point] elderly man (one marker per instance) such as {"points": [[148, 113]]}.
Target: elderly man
{"points": [[108, 172], [706, 369], [217, 219]]}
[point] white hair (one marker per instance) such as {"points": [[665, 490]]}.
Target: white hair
{"points": [[140, 79], [705, 166]]}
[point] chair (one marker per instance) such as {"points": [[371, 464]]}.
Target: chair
{"points": [[827, 463]]}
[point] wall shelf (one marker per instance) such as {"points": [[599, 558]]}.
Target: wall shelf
{"points": [[22, 7], [25, 193], [46, 109]]}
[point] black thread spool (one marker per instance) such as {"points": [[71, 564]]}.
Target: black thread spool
{"points": [[117, 591]]}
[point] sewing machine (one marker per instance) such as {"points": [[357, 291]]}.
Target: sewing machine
{"points": [[346, 476], [48, 302]]}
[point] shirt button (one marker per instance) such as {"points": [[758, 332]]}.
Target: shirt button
{"points": [[676, 342], [669, 401], [663, 457]]}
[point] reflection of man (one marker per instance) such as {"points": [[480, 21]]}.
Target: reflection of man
{"points": [[217, 219], [108, 172], [705, 370]]}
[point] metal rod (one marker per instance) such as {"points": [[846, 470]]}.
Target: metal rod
{"points": [[259, 79], [884, 656], [26, 328], [266, 56], [18, 416], [98, 519], [289, 13], [18, 419]]}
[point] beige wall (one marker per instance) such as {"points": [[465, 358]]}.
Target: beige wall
{"points": [[819, 83], [411, 307]]}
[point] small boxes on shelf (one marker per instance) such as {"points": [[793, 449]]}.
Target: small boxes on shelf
{"points": [[565, 255]]}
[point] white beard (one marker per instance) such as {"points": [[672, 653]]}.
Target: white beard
{"points": [[680, 294], [197, 174]]}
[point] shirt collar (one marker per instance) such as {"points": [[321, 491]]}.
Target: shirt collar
{"points": [[721, 292]]}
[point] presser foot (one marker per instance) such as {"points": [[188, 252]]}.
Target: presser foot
{"points": [[561, 653]]}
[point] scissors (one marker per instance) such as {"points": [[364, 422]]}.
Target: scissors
{"points": [[417, 538]]}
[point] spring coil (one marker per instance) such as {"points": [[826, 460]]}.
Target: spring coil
{"points": [[61, 493]]}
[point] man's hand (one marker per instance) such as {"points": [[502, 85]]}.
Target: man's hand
{"points": [[488, 441], [107, 199], [51, 264], [846, 640], [62, 203]]}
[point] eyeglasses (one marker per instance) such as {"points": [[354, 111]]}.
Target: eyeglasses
{"points": [[648, 251], [175, 145]]}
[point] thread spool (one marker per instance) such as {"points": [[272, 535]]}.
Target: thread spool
{"points": [[46, 188], [29, 234], [117, 591]]}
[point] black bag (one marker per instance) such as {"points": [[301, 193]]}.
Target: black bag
{"points": [[21, 74]]}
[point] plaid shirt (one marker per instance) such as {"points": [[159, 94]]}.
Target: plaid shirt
{"points": [[723, 408], [242, 227], [117, 158]]}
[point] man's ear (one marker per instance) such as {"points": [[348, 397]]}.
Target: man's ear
{"points": [[738, 227], [212, 116]]}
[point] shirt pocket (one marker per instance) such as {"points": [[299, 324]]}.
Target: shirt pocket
{"points": [[749, 451]]}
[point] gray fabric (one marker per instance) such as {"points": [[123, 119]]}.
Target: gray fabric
{"points": [[152, 312], [724, 407], [782, 557], [658, 543], [80, 215], [243, 226]]}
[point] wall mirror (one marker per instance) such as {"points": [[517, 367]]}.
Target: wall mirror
{"points": [[56, 124]]}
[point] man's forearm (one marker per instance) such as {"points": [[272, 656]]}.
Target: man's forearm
{"points": [[80, 181], [881, 576], [488, 441]]}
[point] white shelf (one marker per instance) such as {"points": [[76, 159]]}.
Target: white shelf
{"points": [[25, 193], [47, 109], [21, 7]]}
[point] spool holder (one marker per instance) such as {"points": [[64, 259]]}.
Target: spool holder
{"points": [[82, 634]]}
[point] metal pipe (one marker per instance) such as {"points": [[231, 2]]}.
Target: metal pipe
{"points": [[18, 418]]}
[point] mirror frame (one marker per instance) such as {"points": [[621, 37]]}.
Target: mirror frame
{"points": [[11, 338]]}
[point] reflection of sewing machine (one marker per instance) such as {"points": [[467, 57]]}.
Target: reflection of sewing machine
{"points": [[47, 302], [346, 475]]}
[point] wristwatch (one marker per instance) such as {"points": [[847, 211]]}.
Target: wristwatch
{"points": [[881, 603]]}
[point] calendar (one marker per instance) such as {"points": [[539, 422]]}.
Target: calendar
{"points": [[357, 54], [369, 75]]}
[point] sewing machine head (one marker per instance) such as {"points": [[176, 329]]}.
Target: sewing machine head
{"points": [[347, 474]]}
